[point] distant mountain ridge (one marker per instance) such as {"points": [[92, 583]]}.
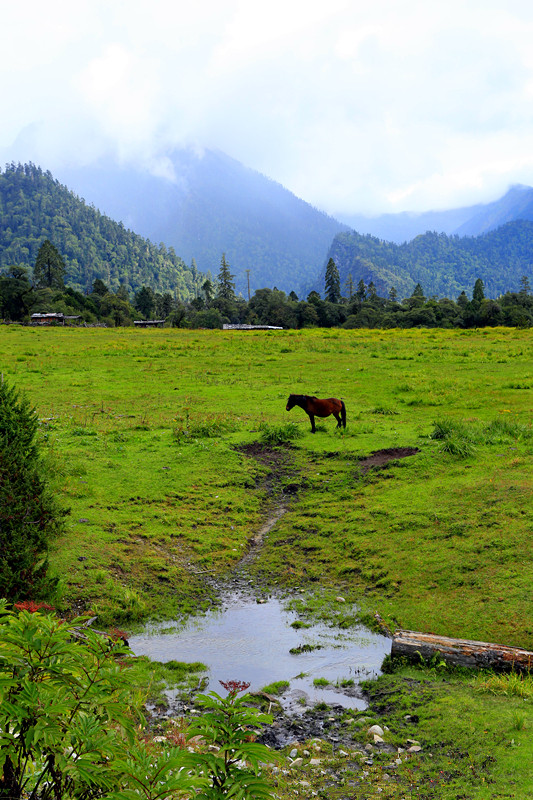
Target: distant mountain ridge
{"points": [[516, 204], [443, 265], [214, 204]]}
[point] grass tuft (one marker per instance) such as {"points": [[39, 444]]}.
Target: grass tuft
{"points": [[279, 434]]}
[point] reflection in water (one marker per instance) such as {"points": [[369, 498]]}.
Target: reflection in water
{"points": [[248, 641]]}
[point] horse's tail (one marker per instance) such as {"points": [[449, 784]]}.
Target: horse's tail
{"points": [[343, 414]]}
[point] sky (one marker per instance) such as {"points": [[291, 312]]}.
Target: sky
{"points": [[356, 107]]}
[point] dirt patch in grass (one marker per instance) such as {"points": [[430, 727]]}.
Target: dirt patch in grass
{"points": [[380, 458], [279, 463]]}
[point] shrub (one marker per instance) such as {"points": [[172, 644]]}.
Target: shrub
{"points": [[29, 515], [279, 434]]}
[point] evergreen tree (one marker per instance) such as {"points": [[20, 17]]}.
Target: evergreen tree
{"points": [[525, 286], [479, 292], [144, 301], [332, 282], [226, 281], [49, 269], [208, 290], [361, 291], [99, 287], [16, 294], [348, 283], [29, 516]]}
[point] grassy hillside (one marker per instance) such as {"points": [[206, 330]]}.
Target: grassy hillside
{"points": [[142, 431], [143, 426]]}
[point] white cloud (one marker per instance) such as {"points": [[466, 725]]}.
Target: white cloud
{"points": [[354, 106]]}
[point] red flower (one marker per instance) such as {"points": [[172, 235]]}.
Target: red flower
{"points": [[32, 606], [234, 687]]}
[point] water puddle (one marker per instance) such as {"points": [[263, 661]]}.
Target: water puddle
{"points": [[250, 641]]}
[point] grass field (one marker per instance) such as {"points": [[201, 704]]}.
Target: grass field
{"points": [[142, 430]]}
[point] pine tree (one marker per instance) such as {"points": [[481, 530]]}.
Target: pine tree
{"points": [[348, 283], [29, 515], [332, 282], [226, 281], [207, 289], [361, 291], [479, 292], [49, 269]]}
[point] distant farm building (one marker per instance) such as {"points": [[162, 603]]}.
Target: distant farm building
{"points": [[251, 328], [149, 323], [52, 318]]}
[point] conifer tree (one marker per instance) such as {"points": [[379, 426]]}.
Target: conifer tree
{"points": [[29, 515], [479, 291], [49, 269], [332, 282], [226, 281]]}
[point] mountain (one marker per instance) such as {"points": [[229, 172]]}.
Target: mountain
{"points": [[444, 265], [209, 204], [34, 207], [516, 204], [405, 226]]}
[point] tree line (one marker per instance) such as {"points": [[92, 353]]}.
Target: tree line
{"points": [[216, 303]]}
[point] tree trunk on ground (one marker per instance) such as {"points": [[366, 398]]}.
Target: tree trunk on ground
{"points": [[461, 652]]}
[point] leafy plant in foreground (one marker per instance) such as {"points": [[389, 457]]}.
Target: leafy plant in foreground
{"points": [[65, 707], [228, 724]]}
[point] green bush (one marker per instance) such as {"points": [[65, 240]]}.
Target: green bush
{"points": [[29, 515]]}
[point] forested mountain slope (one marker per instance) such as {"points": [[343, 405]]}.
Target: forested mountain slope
{"points": [[443, 265], [209, 204], [35, 207]]}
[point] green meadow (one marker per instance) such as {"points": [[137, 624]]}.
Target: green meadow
{"points": [[144, 436]]}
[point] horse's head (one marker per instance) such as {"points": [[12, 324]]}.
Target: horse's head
{"points": [[291, 402]]}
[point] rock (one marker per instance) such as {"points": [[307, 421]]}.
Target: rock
{"points": [[293, 753], [307, 753], [297, 762], [340, 599], [375, 729], [314, 762], [414, 749], [369, 747], [412, 741], [378, 739]]}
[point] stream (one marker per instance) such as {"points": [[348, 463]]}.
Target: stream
{"points": [[250, 641]]}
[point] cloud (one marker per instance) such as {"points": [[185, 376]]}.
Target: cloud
{"points": [[355, 107]]}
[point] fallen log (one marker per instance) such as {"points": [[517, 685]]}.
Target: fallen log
{"points": [[415, 646]]}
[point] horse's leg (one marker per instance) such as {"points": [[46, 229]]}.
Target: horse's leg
{"points": [[337, 418], [312, 418]]}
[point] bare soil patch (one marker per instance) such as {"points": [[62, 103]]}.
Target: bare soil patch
{"points": [[380, 458]]}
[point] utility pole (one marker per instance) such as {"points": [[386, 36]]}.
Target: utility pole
{"points": [[248, 279]]}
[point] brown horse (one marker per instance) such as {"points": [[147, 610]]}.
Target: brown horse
{"points": [[319, 408]]}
